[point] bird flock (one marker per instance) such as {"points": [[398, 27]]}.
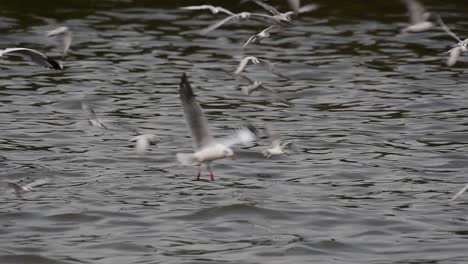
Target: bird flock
{"points": [[206, 148]]}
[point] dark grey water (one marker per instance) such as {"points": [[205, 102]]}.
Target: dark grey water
{"points": [[380, 120]]}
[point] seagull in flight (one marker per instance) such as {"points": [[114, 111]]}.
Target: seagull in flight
{"points": [[33, 56], [207, 148], [460, 47], [213, 9], [264, 63], [459, 193], [20, 189], [419, 17], [259, 87], [67, 37], [142, 142], [277, 16], [107, 124], [259, 36], [277, 148]]}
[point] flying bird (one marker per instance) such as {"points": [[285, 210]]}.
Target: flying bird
{"points": [[142, 142], [107, 124], [294, 5], [264, 63], [460, 47], [207, 148], [277, 148], [67, 37], [419, 17], [20, 189], [213, 9], [33, 56], [259, 87], [259, 36], [459, 193]]}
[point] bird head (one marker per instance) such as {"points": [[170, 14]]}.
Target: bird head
{"points": [[229, 153]]}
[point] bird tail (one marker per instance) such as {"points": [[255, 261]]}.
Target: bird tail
{"points": [[185, 158]]}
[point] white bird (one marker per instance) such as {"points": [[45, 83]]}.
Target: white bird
{"points": [[276, 147], [278, 17], [302, 9], [213, 9], [207, 148], [143, 142], [259, 36], [258, 86], [107, 124], [67, 37], [264, 63], [460, 192], [34, 56], [460, 47], [419, 17], [19, 189]]}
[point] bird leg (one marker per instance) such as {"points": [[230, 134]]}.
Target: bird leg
{"points": [[211, 172], [199, 172]]}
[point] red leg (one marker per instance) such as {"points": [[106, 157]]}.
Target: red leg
{"points": [[211, 172], [199, 172]]}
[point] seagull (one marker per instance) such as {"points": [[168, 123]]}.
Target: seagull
{"points": [[276, 147], [67, 37], [268, 66], [461, 46], [258, 86], [303, 9], [19, 189], [207, 148], [459, 193], [34, 56], [419, 17], [143, 142], [278, 17], [259, 36], [106, 123], [213, 9]]}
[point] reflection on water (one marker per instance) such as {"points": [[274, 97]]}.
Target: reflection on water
{"points": [[380, 121]]}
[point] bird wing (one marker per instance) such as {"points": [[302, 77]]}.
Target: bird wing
{"points": [[271, 68], [218, 24], [240, 77], [454, 55], [252, 39], [447, 29], [460, 192], [35, 183], [16, 188], [194, 116], [416, 11], [267, 7], [240, 136], [67, 37], [273, 136], [34, 56], [294, 5], [273, 94], [243, 63]]}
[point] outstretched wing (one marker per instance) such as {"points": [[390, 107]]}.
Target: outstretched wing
{"points": [[271, 68], [273, 94], [34, 56], [243, 135], [463, 190], [454, 55], [218, 24], [193, 113], [416, 11]]}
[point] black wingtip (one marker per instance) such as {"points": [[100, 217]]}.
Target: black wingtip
{"points": [[54, 64], [185, 90]]}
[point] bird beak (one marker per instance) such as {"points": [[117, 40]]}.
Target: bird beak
{"points": [[232, 157]]}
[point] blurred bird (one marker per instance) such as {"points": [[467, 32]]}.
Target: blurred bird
{"points": [[419, 17], [67, 37], [107, 124], [213, 9], [33, 56], [458, 49], [459, 193], [20, 189], [259, 36], [276, 147], [264, 63], [207, 148], [143, 142]]}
